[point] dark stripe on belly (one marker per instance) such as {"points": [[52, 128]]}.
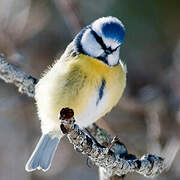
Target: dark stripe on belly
{"points": [[101, 91]]}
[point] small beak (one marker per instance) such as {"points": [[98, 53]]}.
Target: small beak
{"points": [[108, 51], [116, 48]]}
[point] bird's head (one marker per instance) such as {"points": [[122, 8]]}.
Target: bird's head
{"points": [[101, 40]]}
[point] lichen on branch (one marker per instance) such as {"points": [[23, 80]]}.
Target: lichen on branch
{"points": [[113, 161], [11, 74]]}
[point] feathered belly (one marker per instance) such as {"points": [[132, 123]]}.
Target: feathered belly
{"points": [[90, 102], [91, 94], [96, 107]]}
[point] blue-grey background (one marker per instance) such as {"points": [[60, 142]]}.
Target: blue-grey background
{"points": [[147, 119]]}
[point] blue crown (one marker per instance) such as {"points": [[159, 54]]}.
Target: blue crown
{"points": [[113, 30]]}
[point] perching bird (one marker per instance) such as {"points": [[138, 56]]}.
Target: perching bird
{"points": [[88, 78]]}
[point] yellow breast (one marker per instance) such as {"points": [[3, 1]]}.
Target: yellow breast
{"points": [[75, 84], [96, 72]]}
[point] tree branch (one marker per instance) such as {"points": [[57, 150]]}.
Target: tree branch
{"points": [[11, 74], [113, 160]]}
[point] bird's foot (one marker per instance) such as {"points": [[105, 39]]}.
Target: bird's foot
{"points": [[117, 147]]}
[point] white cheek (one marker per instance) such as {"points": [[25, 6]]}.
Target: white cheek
{"points": [[110, 42], [113, 58], [90, 45]]}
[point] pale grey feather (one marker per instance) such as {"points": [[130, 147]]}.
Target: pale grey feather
{"points": [[43, 154]]}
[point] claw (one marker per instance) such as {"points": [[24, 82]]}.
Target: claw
{"points": [[93, 139], [89, 162], [117, 147], [114, 140], [78, 150]]}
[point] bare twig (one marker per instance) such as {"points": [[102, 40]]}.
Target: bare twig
{"points": [[11, 74], [119, 163]]}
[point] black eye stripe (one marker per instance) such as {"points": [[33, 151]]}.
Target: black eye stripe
{"points": [[115, 48], [101, 42], [98, 39]]}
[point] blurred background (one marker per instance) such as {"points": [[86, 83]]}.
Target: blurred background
{"points": [[147, 119]]}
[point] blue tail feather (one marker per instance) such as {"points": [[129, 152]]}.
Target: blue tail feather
{"points": [[43, 154]]}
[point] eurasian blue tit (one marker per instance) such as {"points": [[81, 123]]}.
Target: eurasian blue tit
{"points": [[88, 78]]}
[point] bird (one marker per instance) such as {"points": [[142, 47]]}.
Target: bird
{"points": [[89, 78]]}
